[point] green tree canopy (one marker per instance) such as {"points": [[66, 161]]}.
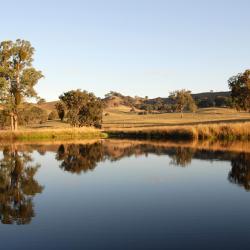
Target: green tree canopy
{"points": [[240, 90], [183, 100], [61, 110], [17, 76], [83, 108]]}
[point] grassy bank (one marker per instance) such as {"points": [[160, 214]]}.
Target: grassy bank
{"points": [[227, 131], [52, 134], [221, 131]]}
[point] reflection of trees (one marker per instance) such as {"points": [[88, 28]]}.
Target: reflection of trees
{"points": [[240, 172], [182, 156], [84, 157], [17, 187], [78, 158]]}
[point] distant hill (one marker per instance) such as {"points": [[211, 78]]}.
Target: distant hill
{"points": [[203, 95], [48, 106], [115, 99], [212, 94]]}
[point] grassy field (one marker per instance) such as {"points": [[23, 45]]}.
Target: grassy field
{"points": [[209, 123], [121, 117]]}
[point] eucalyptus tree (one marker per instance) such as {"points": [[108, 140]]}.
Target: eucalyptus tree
{"points": [[240, 90], [83, 108], [17, 76], [183, 100]]}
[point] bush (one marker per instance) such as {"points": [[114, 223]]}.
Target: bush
{"points": [[132, 110], [143, 113], [53, 115], [41, 101], [32, 115], [61, 110], [4, 119]]}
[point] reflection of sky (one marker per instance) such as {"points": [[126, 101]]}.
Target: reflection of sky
{"points": [[137, 200]]}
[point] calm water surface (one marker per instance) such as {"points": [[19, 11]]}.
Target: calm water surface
{"points": [[124, 195]]}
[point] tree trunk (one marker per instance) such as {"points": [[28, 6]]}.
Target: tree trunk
{"points": [[11, 122], [15, 122]]}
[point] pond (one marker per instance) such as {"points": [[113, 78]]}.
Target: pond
{"points": [[121, 194]]}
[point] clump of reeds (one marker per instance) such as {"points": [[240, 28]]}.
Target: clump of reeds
{"points": [[226, 131]]}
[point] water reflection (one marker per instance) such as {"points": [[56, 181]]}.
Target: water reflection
{"points": [[77, 158], [240, 172], [182, 156], [17, 187]]}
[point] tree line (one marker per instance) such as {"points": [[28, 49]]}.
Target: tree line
{"points": [[18, 78]]}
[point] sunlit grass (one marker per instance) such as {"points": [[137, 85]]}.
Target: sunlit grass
{"points": [[223, 131], [52, 134], [122, 118]]}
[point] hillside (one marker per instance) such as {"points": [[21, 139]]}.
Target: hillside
{"points": [[48, 106], [114, 99], [210, 97]]}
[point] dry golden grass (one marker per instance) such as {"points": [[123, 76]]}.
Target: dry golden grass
{"points": [[224, 131], [210, 123], [52, 134], [120, 117]]}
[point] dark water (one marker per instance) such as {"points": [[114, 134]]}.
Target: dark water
{"points": [[124, 195]]}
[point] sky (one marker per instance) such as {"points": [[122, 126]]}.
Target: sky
{"points": [[136, 47]]}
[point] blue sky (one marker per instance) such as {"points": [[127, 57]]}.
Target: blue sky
{"points": [[136, 47]]}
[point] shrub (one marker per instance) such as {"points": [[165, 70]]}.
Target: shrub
{"points": [[53, 115], [61, 110], [32, 115], [4, 119], [41, 101], [132, 110]]}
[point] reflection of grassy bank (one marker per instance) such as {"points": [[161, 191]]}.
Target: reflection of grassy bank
{"points": [[227, 131], [115, 145], [52, 134], [226, 146]]}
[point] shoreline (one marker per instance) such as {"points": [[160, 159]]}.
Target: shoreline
{"points": [[215, 131], [51, 134], [221, 131]]}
